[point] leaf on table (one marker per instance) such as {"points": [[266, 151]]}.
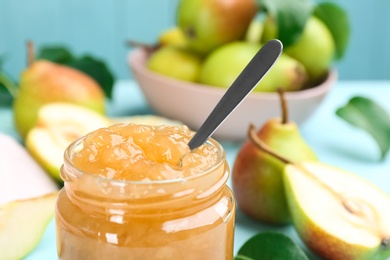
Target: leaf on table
{"points": [[97, 70], [270, 245], [55, 54], [336, 19], [364, 113], [290, 15]]}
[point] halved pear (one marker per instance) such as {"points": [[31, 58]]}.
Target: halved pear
{"points": [[339, 215], [22, 224], [58, 125]]}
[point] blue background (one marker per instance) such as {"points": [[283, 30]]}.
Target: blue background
{"points": [[101, 28]]}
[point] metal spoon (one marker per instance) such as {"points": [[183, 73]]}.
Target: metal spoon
{"points": [[241, 87]]}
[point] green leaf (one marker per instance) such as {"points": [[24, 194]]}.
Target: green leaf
{"points": [[97, 70], [336, 19], [55, 54], [270, 246], [2, 60], [8, 89], [291, 17], [364, 113]]}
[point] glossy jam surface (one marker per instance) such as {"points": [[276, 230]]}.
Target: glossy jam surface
{"points": [[143, 153], [138, 202]]}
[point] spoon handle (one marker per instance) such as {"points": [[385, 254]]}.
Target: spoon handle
{"points": [[241, 87]]}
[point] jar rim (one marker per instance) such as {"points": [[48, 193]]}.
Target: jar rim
{"points": [[123, 182]]}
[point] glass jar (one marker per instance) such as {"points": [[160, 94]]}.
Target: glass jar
{"points": [[186, 218]]}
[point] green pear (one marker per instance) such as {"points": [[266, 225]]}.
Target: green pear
{"points": [[257, 177], [338, 214], [222, 66], [255, 31], [175, 62], [173, 36], [45, 82], [208, 24], [315, 48], [58, 125]]}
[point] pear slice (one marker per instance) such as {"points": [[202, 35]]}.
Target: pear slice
{"points": [[27, 196], [58, 125], [22, 224], [339, 215]]}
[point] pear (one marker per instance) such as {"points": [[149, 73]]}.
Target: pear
{"points": [[223, 65], [257, 177], [175, 62], [27, 198], [173, 36], [315, 48], [58, 125], [338, 214], [209, 24], [254, 31], [44, 82]]}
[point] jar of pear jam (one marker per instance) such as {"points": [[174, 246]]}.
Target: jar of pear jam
{"points": [[136, 192]]}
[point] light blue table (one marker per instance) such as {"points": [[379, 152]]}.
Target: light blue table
{"points": [[334, 141]]}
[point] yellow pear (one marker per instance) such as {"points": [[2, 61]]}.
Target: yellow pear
{"points": [[175, 62], [45, 82], [173, 36]]}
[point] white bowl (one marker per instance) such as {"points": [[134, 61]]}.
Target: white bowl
{"points": [[191, 103]]}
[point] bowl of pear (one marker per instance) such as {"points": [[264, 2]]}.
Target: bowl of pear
{"points": [[191, 102], [187, 72]]}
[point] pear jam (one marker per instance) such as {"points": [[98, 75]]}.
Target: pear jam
{"points": [[137, 192]]}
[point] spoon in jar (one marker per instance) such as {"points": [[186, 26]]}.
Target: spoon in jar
{"points": [[236, 93]]}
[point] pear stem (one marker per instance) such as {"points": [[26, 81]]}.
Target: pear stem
{"points": [[262, 146], [354, 206], [386, 242], [257, 142], [147, 47], [283, 104], [30, 53]]}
